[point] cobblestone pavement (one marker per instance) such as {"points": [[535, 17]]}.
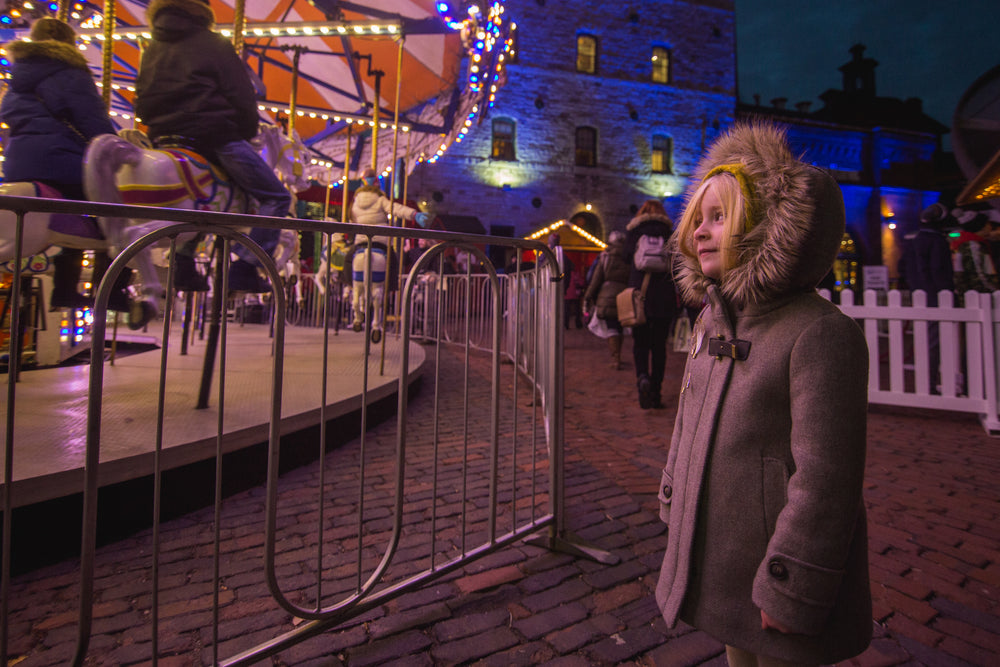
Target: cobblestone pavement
{"points": [[932, 492]]}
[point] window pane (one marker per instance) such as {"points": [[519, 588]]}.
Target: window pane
{"points": [[586, 54], [661, 65], [586, 147], [503, 139], [662, 154]]}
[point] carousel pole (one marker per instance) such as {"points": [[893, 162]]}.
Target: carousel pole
{"points": [[397, 243], [63, 13], [108, 53], [294, 96], [343, 218]]}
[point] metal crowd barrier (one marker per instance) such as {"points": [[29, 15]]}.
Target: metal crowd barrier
{"points": [[386, 518]]}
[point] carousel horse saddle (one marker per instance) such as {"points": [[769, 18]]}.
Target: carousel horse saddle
{"points": [[83, 226]]}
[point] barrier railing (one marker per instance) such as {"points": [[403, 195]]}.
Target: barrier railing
{"points": [[940, 357], [395, 516]]}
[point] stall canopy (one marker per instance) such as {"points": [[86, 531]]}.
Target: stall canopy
{"points": [[340, 74]]}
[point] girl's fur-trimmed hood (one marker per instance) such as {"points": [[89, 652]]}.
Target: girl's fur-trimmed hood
{"points": [[799, 227]]}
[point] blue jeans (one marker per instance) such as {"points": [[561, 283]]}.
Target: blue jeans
{"points": [[247, 170]]}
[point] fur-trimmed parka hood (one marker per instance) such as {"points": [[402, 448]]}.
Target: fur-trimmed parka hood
{"points": [[34, 61], [798, 223], [649, 217], [173, 19]]}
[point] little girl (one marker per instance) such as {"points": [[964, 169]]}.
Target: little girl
{"points": [[762, 491]]}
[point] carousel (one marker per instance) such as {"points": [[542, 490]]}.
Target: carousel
{"points": [[342, 88]]}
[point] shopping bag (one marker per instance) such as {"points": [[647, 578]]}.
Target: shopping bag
{"points": [[631, 304], [599, 328]]}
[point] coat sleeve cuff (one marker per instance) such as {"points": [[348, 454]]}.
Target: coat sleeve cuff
{"points": [[798, 594]]}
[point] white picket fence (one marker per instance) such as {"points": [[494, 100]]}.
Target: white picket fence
{"points": [[900, 329]]}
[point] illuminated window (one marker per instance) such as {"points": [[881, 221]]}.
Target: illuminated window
{"points": [[661, 64], [586, 147], [503, 139], [586, 54], [663, 154]]}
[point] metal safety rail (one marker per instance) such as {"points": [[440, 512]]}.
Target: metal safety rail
{"points": [[375, 517]]}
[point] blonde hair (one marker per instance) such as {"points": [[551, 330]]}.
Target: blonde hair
{"points": [[731, 197]]}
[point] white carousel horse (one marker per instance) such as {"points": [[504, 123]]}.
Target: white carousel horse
{"points": [[119, 171], [42, 230], [376, 290]]}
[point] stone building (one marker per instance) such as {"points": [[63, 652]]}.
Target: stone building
{"points": [[885, 153], [605, 105]]}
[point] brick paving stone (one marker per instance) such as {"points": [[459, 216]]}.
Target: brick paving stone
{"points": [[931, 657], [540, 624], [692, 648], [475, 647], [974, 617], [469, 624], [526, 654], [568, 640], [567, 661], [378, 652], [625, 644], [407, 620]]}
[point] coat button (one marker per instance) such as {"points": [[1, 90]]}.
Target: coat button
{"points": [[777, 569], [667, 491]]}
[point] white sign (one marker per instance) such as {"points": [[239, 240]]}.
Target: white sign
{"points": [[875, 277]]}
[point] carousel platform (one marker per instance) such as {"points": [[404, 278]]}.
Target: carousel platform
{"points": [[50, 420]]}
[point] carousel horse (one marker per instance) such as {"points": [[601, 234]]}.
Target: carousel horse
{"points": [[364, 293], [117, 170]]}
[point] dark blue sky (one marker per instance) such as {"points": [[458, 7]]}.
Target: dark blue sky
{"points": [[933, 50]]}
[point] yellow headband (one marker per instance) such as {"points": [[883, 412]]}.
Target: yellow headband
{"points": [[746, 187]]}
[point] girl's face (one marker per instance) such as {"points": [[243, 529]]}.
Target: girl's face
{"points": [[708, 235]]}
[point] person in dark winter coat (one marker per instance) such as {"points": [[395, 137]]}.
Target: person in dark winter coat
{"points": [[53, 110], [611, 274], [762, 490], [928, 267], [194, 91], [649, 340]]}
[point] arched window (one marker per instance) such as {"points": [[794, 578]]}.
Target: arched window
{"points": [[503, 139], [586, 54], [663, 154], [586, 147], [661, 64]]}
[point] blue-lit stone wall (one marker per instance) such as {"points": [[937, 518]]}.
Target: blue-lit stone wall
{"points": [[548, 99]]}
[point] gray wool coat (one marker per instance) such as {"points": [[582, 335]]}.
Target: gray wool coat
{"points": [[762, 489]]}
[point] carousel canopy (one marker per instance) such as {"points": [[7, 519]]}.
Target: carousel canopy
{"points": [[342, 75]]}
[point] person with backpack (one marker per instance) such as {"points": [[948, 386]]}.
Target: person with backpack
{"points": [[646, 245], [610, 277]]}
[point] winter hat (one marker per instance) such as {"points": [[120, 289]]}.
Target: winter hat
{"points": [[50, 28], [795, 217], [368, 173]]}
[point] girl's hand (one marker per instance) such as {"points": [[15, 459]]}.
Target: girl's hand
{"points": [[768, 623]]}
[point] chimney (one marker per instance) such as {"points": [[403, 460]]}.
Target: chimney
{"points": [[779, 102], [803, 107], [756, 99]]}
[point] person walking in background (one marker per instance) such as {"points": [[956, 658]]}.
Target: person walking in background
{"points": [[762, 490], [928, 267], [645, 245], [573, 310], [53, 110], [611, 274]]}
